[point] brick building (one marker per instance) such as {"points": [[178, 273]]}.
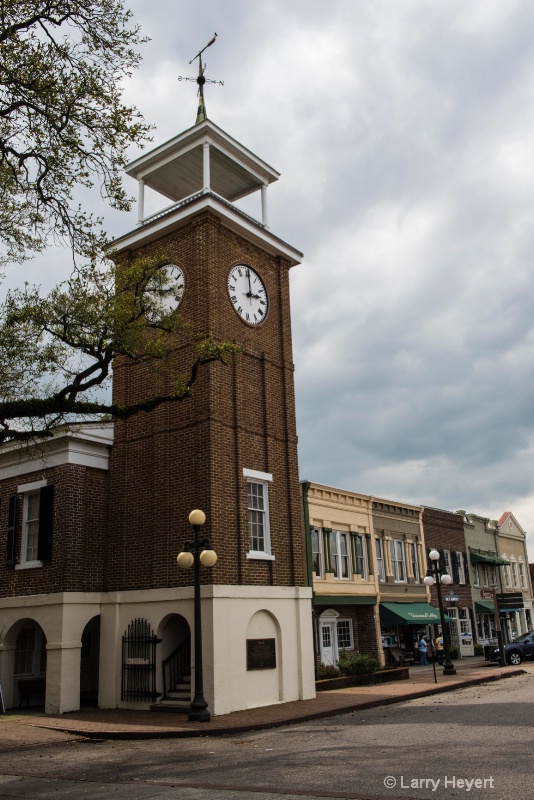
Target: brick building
{"points": [[444, 532], [91, 563]]}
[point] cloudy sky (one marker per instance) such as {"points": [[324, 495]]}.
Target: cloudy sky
{"points": [[403, 131]]}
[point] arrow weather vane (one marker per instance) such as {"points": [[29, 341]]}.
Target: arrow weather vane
{"points": [[201, 80]]}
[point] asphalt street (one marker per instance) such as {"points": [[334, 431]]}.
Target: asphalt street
{"points": [[475, 743]]}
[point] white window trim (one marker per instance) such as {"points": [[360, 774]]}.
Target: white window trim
{"points": [[381, 573], [25, 489], [395, 560], [338, 556], [255, 476], [461, 571], [351, 632], [364, 574]]}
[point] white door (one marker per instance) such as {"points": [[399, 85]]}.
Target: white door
{"points": [[466, 634], [328, 644]]}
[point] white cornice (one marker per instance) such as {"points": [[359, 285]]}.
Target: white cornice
{"points": [[179, 215], [86, 446]]}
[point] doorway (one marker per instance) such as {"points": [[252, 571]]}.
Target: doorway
{"points": [[89, 663]]}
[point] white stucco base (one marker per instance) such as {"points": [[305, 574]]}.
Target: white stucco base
{"points": [[230, 616]]}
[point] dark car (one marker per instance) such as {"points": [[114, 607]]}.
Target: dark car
{"points": [[517, 651]]}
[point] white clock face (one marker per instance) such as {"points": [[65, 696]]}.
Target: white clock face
{"points": [[164, 292], [247, 294]]}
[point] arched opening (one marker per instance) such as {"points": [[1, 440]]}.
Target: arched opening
{"points": [[175, 649], [264, 660], [89, 663], [28, 664]]}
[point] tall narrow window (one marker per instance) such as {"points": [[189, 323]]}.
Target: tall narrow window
{"points": [[379, 544], [258, 513], [507, 579], [515, 581], [30, 537], [361, 555], [24, 651], [398, 561], [316, 552], [476, 574], [460, 566], [415, 562], [339, 554], [522, 577]]}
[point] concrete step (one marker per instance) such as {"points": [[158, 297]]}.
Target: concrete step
{"points": [[171, 706]]}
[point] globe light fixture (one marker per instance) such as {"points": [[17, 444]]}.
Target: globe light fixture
{"points": [[438, 576], [196, 553]]}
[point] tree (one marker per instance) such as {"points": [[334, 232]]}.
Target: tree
{"points": [[62, 121], [56, 352]]}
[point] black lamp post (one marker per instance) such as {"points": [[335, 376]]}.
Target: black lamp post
{"points": [[198, 552], [438, 576]]}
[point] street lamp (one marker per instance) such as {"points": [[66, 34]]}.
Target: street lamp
{"points": [[438, 576], [198, 552]]}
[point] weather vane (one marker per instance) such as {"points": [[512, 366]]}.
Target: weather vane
{"points": [[201, 80]]}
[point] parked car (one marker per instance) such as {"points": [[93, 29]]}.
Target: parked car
{"points": [[517, 651]]}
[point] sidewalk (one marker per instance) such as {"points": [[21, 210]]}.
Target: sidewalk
{"points": [[120, 724]]}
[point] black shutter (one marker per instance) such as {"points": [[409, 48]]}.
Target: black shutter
{"points": [[441, 562], [46, 513], [466, 570], [11, 522], [454, 566]]}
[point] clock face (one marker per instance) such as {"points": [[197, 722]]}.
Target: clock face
{"points": [[247, 294], [164, 292]]}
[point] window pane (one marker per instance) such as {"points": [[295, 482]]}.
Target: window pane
{"points": [[316, 552], [344, 638], [256, 516], [32, 526]]}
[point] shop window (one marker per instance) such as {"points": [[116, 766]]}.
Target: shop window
{"points": [[24, 651]]}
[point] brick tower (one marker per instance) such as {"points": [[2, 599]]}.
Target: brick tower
{"points": [[230, 449]]}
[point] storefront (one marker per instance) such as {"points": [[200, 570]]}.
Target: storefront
{"points": [[402, 624]]}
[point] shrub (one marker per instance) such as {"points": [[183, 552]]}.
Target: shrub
{"points": [[453, 652], [357, 663], [327, 671], [479, 650]]}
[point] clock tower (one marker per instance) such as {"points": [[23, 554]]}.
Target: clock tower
{"points": [[229, 449]]}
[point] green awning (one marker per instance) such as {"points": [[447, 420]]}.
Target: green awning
{"points": [[485, 559], [484, 607], [409, 614], [344, 600]]}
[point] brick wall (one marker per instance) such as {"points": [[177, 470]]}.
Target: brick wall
{"points": [[78, 540], [444, 530], [192, 454]]}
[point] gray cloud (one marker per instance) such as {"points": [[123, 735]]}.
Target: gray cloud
{"points": [[404, 135]]}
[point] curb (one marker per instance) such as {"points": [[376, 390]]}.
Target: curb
{"points": [[257, 726]]}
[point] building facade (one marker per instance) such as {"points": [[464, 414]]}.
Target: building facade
{"points": [[511, 542], [444, 532], [91, 564]]}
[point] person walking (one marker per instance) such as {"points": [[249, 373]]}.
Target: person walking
{"points": [[440, 649], [422, 647]]}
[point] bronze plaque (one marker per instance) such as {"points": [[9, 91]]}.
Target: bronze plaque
{"points": [[261, 654]]}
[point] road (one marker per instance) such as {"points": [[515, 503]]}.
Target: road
{"points": [[471, 743]]}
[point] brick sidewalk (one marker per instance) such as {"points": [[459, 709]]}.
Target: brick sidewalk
{"points": [[121, 724]]}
